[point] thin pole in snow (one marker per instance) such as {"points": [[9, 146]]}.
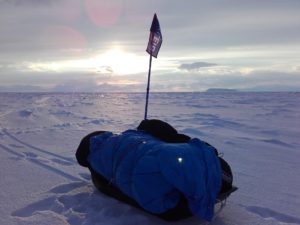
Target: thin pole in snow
{"points": [[148, 87]]}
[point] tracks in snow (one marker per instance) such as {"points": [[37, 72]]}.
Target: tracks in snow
{"points": [[46, 159]]}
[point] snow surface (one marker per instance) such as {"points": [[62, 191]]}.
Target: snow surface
{"points": [[41, 182]]}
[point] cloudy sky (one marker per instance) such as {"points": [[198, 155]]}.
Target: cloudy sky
{"points": [[99, 45]]}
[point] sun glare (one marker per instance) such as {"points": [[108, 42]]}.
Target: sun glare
{"points": [[114, 61], [121, 62]]}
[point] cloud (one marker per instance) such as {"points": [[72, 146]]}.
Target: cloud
{"points": [[195, 66], [256, 80], [105, 70], [30, 2], [249, 34]]}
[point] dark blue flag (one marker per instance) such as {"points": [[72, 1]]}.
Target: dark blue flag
{"points": [[155, 38]]}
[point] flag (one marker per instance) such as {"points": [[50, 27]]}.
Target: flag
{"points": [[155, 38]]}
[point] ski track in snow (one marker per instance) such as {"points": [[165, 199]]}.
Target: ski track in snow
{"points": [[50, 164], [64, 160], [247, 123], [267, 213]]}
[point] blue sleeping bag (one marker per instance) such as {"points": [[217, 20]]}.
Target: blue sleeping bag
{"points": [[155, 173]]}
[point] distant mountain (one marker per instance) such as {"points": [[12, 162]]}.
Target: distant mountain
{"points": [[220, 90]]}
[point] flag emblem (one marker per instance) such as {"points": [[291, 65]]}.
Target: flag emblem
{"points": [[155, 38]]}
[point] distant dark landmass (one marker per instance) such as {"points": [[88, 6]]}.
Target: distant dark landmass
{"points": [[221, 90]]}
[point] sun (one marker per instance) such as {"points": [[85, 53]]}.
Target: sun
{"points": [[119, 62]]}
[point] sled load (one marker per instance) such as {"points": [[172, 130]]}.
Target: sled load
{"points": [[158, 170]]}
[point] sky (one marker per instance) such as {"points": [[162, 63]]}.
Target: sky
{"points": [[97, 45]]}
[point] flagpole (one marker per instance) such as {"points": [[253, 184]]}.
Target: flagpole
{"points": [[148, 87], [155, 40]]}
